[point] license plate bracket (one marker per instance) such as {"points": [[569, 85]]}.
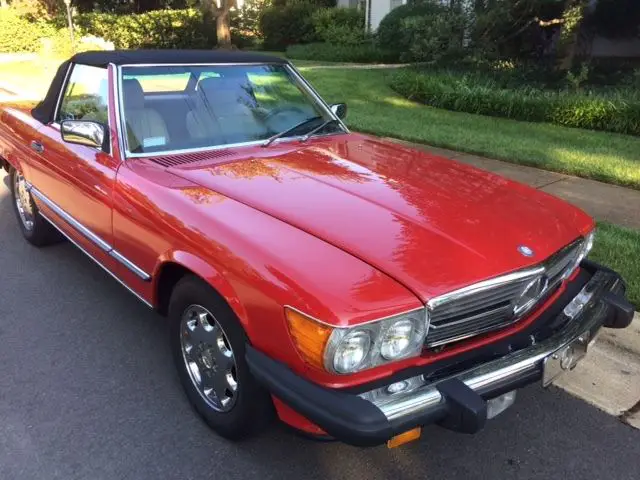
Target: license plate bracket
{"points": [[565, 358]]}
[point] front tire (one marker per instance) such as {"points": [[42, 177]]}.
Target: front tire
{"points": [[35, 229], [208, 345]]}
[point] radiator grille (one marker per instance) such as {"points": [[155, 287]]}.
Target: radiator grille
{"points": [[489, 305]]}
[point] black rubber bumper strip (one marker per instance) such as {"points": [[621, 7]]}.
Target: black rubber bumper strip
{"points": [[344, 416], [351, 419]]}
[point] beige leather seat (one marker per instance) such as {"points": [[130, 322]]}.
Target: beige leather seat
{"points": [[145, 126], [223, 112]]}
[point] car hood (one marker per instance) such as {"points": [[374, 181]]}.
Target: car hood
{"points": [[433, 224]]}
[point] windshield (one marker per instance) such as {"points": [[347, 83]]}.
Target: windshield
{"points": [[167, 108]]}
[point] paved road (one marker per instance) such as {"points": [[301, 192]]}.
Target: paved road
{"points": [[88, 391]]}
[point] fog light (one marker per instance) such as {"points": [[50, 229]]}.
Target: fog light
{"points": [[575, 306], [497, 405], [397, 387]]}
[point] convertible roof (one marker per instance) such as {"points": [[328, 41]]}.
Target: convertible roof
{"points": [[45, 110], [126, 57]]}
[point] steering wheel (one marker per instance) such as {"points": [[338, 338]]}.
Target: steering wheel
{"points": [[280, 110]]}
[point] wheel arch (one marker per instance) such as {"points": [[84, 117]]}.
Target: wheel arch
{"points": [[172, 267]]}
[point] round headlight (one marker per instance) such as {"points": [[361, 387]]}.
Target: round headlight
{"points": [[351, 352], [530, 295], [397, 339]]}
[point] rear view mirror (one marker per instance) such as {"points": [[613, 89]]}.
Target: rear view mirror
{"points": [[339, 110], [83, 132]]}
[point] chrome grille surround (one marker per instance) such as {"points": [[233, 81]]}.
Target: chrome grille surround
{"points": [[489, 305]]}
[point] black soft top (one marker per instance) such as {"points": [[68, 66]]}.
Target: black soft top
{"points": [[127, 57], [45, 110]]}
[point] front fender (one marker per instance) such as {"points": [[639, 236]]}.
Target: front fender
{"points": [[208, 273]]}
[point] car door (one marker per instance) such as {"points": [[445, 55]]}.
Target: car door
{"points": [[76, 181]]}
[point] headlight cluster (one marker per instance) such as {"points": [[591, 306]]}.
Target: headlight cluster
{"points": [[349, 350]]}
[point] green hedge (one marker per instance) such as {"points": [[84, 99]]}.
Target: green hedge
{"points": [[341, 26], [288, 25], [617, 111], [17, 34], [155, 29], [327, 52]]}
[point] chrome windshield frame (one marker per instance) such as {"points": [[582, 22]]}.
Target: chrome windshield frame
{"points": [[299, 79]]}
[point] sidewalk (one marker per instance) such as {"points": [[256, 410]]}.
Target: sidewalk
{"points": [[604, 202]]}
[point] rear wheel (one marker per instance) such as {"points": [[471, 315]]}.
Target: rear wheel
{"points": [[208, 345], [35, 229]]}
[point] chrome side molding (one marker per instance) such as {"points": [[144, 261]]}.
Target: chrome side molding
{"points": [[89, 235], [95, 260]]}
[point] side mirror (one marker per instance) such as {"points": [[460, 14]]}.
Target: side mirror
{"points": [[84, 132], [339, 110]]}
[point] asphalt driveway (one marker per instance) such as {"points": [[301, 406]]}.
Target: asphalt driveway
{"points": [[88, 391]]}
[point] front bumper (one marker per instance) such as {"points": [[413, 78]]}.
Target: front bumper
{"points": [[457, 401]]}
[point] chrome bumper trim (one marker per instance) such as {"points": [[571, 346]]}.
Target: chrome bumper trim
{"points": [[589, 316]]}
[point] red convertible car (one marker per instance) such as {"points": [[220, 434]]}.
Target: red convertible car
{"points": [[356, 288]]}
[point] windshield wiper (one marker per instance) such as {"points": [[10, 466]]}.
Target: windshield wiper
{"points": [[273, 138], [318, 128]]}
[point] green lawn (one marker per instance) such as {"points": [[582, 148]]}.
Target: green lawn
{"points": [[30, 76], [375, 108], [619, 248]]}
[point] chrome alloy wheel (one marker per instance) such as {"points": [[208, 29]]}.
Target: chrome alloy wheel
{"points": [[23, 202], [209, 358]]}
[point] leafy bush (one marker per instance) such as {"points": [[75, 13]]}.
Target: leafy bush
{"points": [[18, 34], [341, 26], [399, 28], [245, 23], [431, 38], [618, 111], [288, 25], [360, 53], [155, 29]]}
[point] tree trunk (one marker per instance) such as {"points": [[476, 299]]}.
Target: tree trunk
{"points": [[223, 31], [219, 9], [3, 4], [573, 16]]}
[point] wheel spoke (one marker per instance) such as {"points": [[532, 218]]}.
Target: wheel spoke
{"points": [[222, 353], [200, 330], [221, 385]]}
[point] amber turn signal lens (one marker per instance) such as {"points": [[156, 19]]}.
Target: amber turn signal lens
{"points": [[405, 437], [309, 336]]}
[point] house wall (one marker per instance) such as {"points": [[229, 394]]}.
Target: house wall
{"points": [[379, 10], [607, 47]]}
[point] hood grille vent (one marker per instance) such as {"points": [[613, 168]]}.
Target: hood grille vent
{"points": [[187, 158]]}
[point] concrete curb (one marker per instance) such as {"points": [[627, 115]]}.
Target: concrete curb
{"points": [[609, 377]]}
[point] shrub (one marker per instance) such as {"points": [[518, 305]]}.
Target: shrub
{"points": [[288, 25], [155, 29], [432, 38], [342, 26], [361, 53], [245, 23], [614, 112], [393, 31], [18, 34]]}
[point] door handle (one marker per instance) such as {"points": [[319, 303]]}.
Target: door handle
{"points": [[37, 146]]}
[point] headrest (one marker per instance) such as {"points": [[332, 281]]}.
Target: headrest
{"points": [[132, 93], [227, 90]]}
